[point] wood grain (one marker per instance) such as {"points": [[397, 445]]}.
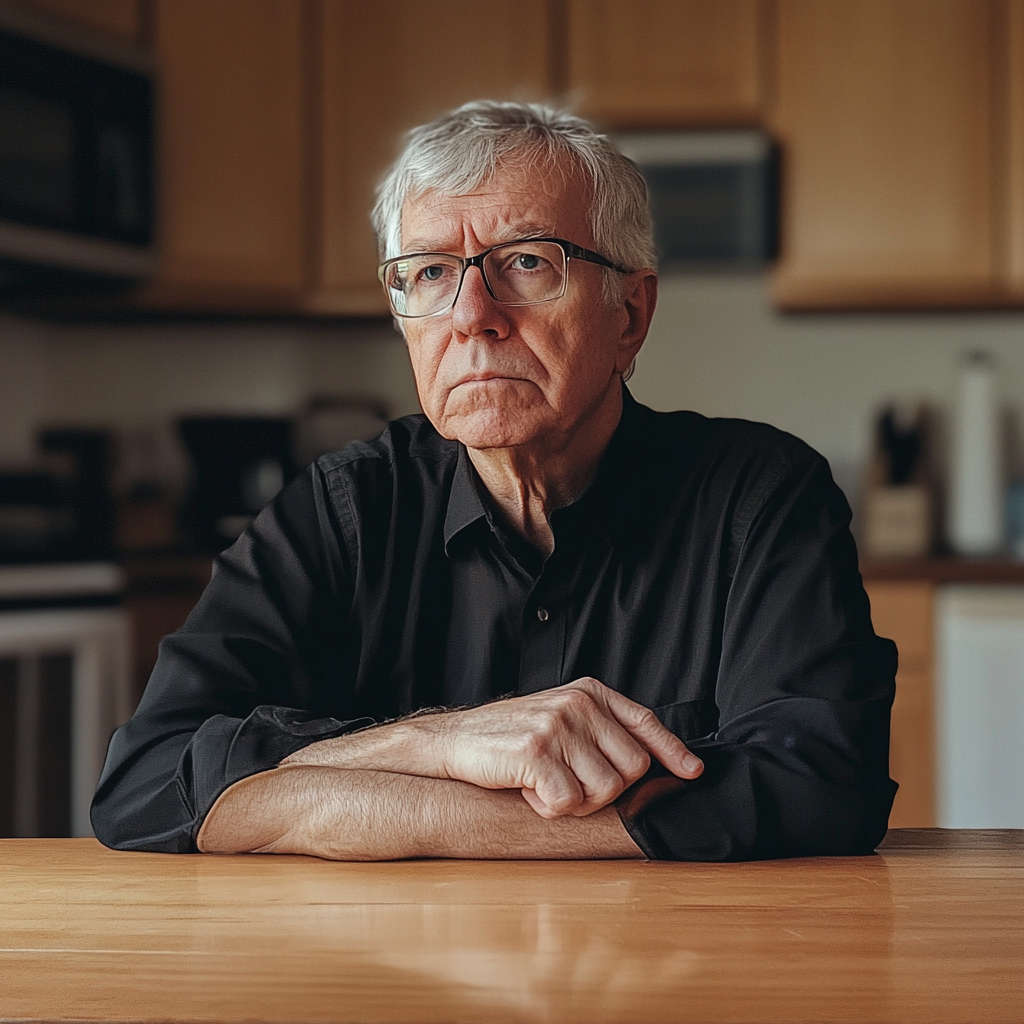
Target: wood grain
{"points": [[667, 63], [904, 611], [885, 112], [120, 19], [232, 162], [930, 930], [1013, 166], [381, 72]]}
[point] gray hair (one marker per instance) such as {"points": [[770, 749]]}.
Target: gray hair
{"points": [[459, 151]]}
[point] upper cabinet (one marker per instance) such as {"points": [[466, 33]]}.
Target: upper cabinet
{"points": [[1013, 176], [277, 118], [381, 71], [891, 115], [232, 130], [119, 19], [901, 124], [667, 63]]}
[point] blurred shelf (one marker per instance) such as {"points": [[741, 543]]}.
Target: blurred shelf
{"points": [[946, 569]]}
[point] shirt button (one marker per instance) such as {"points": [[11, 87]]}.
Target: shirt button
{"points": [[542, 614]]}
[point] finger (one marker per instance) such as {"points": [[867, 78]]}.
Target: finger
{"points": [[538, 805], [643, 725], [599, 780], [623, 752], [555, 786]]}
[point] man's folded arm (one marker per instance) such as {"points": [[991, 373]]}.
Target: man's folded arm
{"points": [[353, 814], [220, 704], [798, 765]]}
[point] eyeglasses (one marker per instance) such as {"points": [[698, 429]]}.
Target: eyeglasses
{"points": [[519, 273]]}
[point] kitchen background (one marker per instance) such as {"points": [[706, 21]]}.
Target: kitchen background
{"points": [[900, 131]]}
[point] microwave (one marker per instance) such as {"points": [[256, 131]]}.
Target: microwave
{"points": [[714, 196], [76, 159]]}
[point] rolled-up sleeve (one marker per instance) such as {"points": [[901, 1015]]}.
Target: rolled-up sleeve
{"points": [[237, 688], [798, 765]]}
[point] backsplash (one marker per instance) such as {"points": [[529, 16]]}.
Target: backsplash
{"points": [[716, 346]]}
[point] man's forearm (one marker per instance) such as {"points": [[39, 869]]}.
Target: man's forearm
{"points": [[373, 815]]}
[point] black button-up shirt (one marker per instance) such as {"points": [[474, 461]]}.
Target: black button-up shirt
{"points": [[707, 573]]}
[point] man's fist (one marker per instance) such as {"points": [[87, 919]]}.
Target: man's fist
{"points": [[571, 750]]}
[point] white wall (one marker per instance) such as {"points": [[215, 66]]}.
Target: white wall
{"points": [[136, 380], [716, 346]]}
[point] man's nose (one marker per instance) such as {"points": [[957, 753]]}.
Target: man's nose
{"points": [[476, 312]]}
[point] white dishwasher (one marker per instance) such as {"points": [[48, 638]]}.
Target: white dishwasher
{"points": [[64, 687], [980, 706]]}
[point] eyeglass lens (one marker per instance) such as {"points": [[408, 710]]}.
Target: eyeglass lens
{"points": [[519, 273]]}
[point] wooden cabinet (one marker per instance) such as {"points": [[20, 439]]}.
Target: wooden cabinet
{"points": [[904, 611], [119, 19], [885, 110], [667, 63], [1013, 133], [902, 126], [381, 71], [232, 165], [277, 117]]}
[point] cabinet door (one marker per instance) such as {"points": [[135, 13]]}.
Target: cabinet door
{"points": [[384, 69], [885, 112], [119, 19], [1013, 128], [232, 163], [635, 63], [905, 613]]}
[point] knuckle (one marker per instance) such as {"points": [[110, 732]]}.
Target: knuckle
{"points": [[636, 764], [645, 718], [575, 701], [606, 792]]}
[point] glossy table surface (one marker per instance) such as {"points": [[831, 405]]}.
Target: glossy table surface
{"points": [[930, 929]]}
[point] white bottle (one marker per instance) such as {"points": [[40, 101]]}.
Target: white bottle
{"points": [[976, 520]]}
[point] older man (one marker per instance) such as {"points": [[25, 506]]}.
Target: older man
{"points": [[585, 595]]}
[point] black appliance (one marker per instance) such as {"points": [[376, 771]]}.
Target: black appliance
{"points": [[61, 510], [76, 162], [714, 196], [239, 464]]}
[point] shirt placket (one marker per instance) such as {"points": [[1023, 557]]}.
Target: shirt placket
{"points": [[545, 628]]}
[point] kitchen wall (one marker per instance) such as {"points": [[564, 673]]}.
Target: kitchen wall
{"points": [[716, 346]]}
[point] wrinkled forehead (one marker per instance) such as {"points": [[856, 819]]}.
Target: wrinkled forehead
{"points": [[524, 197]]}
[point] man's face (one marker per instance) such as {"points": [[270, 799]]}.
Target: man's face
{"points": [[496, 376]]}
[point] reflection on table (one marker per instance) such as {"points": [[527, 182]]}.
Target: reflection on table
{"points": [[932, 929]]}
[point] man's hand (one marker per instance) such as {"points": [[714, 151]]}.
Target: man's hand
{"points": [[570, 750]]}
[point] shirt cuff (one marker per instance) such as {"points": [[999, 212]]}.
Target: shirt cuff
{"points": [[225, 750]]}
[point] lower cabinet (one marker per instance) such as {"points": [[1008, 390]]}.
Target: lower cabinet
{"points": [[904, 611]]}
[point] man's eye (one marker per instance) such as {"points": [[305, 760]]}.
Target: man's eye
{"points": [[526, 261], [432, 273]]}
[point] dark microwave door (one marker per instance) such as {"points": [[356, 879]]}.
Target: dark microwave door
{"points": [[75, 152], [714, 215]]}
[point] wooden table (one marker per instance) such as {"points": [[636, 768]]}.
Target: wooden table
{"points": [[930, 930]]}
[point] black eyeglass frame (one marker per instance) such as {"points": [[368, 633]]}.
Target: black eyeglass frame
{"points": [[570, 250]]}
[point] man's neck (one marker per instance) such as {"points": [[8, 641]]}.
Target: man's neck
{"points": [[528, 482]]}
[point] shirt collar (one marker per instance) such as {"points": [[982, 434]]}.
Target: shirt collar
{"points": [[606, 502], [464, 504]]}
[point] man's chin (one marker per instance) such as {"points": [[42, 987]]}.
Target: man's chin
{"points": [[492, 429], [508, 419]]}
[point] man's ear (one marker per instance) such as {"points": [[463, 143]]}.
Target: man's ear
{"points": [[639, 297]]}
